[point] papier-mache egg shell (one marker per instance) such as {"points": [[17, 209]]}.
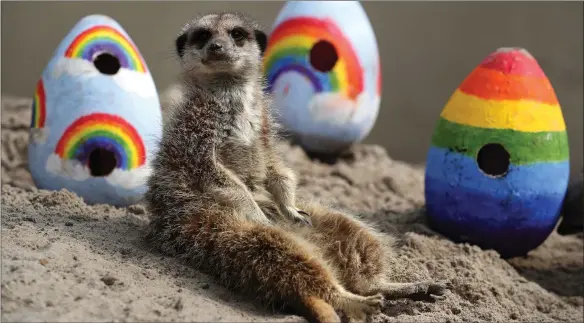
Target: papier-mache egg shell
{"points": [[85, 109], [326, 109], [498, 167]]}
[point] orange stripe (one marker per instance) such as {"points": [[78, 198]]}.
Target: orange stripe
{"points": [[490, 84]]}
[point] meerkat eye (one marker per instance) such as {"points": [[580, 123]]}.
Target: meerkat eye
{"points": [[237, 34], [200, 37]]}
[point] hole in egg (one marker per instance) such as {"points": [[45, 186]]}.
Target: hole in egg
{"points": [[323, 56], [101, 162], [107, 63], [493, 159]]}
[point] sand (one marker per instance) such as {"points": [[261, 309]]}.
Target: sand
{"points": [[63, 260]]}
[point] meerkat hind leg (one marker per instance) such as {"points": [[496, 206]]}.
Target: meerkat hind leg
{"points": [[267, 258], [423, 290], [358, 306], [361, 254]]}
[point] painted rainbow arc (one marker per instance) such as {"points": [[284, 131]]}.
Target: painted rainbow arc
{"points": [[39, 108], [105, 131], [379, 81], [289, 47], [101, 38]]}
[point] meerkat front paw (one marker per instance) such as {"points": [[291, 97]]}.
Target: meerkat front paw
{"points": [[258, 215], [298, 216]]}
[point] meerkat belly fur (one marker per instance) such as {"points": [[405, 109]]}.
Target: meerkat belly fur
{"points": [[221, 197]]}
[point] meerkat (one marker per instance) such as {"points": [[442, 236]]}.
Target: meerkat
{"points": [[221, 197]]}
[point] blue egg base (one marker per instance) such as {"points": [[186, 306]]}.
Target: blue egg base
{"points": [[512, 215]]}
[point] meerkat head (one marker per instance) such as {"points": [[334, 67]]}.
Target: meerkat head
{"points": [[221, 46]]}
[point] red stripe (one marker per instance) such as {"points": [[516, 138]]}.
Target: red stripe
{"points": [[490, 84], [514, 62], [42, 107], [379, 77]]}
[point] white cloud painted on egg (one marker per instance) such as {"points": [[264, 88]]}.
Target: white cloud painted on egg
{"points": [[129, 81], [75, 170]]}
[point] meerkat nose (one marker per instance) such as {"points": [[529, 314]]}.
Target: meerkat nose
{"points": [[215, 47]]}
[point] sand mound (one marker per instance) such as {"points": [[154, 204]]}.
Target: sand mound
{"points": [[63, 260]]}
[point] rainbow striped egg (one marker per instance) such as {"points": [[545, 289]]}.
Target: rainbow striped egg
{"points": [[323, 70], [95, 116], [498, 167]]}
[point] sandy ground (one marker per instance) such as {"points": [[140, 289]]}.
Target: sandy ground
{"points": [[63, 260]]}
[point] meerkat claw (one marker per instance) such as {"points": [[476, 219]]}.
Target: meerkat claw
{"points": [[374, 302], [437, 288], [304, 220], [306, 217], [302, 212], [431, 291], [297, 216]]}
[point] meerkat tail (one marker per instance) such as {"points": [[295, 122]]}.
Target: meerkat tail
{"points": [[316, 310]]}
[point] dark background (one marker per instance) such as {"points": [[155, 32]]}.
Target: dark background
{"points": [[427, 49]]}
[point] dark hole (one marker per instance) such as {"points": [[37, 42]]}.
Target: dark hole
{"points": [[493, 160], [107, 63], [101, 162], [323, 56]]}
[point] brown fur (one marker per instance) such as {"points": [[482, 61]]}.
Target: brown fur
{"points": [[221, 197]]}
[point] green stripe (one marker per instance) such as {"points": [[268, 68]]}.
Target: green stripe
{"points": [[298, 53], [524, 147]]}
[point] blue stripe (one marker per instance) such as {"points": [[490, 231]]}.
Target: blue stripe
{"points": [[83, 151], [323, 79], [456, 169], [512, 215]]}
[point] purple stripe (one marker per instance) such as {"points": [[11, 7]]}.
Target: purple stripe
{"points": [[300, 69], [110, 48]]}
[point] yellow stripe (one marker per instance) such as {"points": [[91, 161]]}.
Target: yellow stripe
{"points": [[304, 42], [519, 115]]}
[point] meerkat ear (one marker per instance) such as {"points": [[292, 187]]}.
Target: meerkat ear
{"points": [[261, 39], [180, 43]]}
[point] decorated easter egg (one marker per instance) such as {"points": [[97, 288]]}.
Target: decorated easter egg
{"points": [[95, 116], [498, 167], [322, 67]]}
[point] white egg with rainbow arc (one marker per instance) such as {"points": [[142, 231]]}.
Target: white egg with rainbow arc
{"points": [[323, 69], [96, 116]]}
